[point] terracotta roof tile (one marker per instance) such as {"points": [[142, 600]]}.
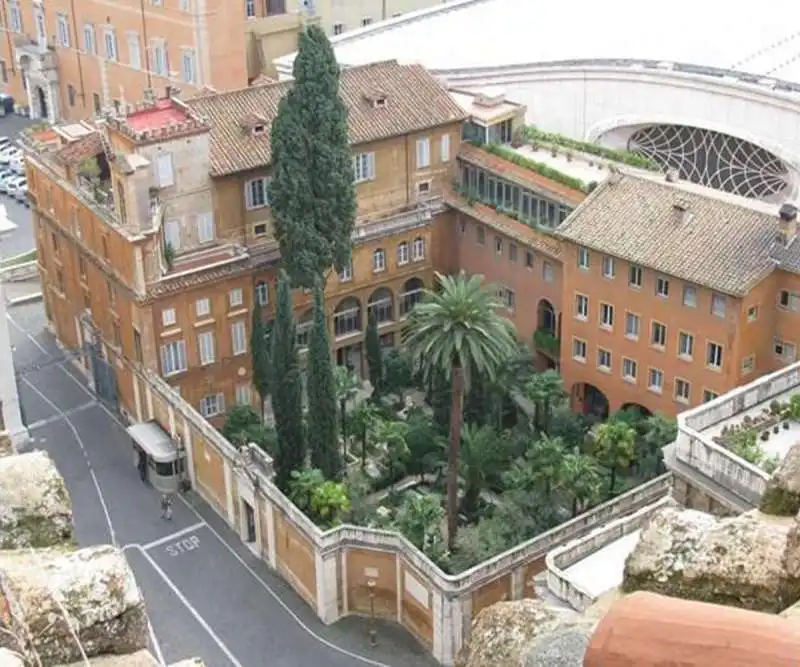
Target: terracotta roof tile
{"points": [[520, 175], [81, 149], [722, 242], [517, 230], [415, 101]]}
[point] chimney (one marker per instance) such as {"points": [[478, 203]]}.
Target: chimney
{"points": [[787, 223], [681, 212]]}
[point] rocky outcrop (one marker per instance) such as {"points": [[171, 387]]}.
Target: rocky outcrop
{"points": [[35, 510], [563, 646], [59, 599], [738, 562], [501, 633], [782, 497]]}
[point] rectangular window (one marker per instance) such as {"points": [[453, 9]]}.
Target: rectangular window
{"points": [[239, 338], [752, 313], [111, 43], [134, 51], [338, 28], [89, 43], [205, 228], [402, 254], [158, 57], [363, 167], [635, 276], [189, 66], [366, 21], [690, 296], [608, 267], [655, 380], [714, 356], [379, 260], [418, 249], [581, 307], [15, 16], [629, 369], [662, 287], [583, 258], [202, 307], [709, 395], [423, 153], [603, 360], [788, 300], [206, 347], [685, 345], [498, 245], [62, 30], [236, 297], [213, 405], [606, 315], [512, 252], [347, 273], [786, 352], [748, 364], [547, 272], [243, 394], [579, 350], [262, 293], [508, 298], [168, 317], [682, 390], [718, 305], [480, 235], [444, 148], [255, 193], [250, 9], [658, 335], [173, 358], [632, 326], [528, 260], [166, 177]]}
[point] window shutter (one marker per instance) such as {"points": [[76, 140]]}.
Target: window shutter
{"points": [[165, 175], [445, 148], [371, 165], [172, 233]]}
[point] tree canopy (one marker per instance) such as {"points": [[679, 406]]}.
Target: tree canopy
{"points": [[311, 191]]}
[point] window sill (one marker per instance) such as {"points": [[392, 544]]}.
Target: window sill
{"points": [[579, 360], [241, 311], [686, 358], [657, 347], [715, 369], [656, 390], [174, 374], [604, 369], [689, 305], [682, 401], [204, 323], [580, 318], [607, 327], [633, 338], [634, 287], [629, 379], [168, 333], [608, 277], [348, 335]]}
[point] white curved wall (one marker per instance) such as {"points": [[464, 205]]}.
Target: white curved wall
{"points": [[586, 102]]}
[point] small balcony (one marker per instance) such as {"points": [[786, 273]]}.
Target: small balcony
{"points": [[202, 259]]}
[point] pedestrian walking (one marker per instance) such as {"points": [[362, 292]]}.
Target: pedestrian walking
{"points": [[166, 507]]}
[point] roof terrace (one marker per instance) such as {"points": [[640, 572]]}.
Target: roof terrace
{"points": [[157, 120]]}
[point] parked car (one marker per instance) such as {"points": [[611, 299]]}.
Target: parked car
{"points": [[21, 193], [8, 154], [17, 165], [14, 184], [4, 141], [5, 176]]}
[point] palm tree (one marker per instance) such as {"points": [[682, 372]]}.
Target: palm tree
{"points": [[580, 479], [615, 447], [546, 457], [347, 386], [543, 390], [457, 330], [478, 463]]}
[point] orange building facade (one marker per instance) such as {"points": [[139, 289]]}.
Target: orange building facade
{"points": [[71, 59], [155, 237]]}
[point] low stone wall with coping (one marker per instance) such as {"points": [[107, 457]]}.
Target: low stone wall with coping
{"points": [[559, 560], [716, 462]]}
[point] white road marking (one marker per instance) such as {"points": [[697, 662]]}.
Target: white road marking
{"points": [[174, 536], [79, 440], [174, 588], [156, 645], [55, 418], [242, 562]]}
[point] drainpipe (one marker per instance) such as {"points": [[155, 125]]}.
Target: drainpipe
{"points": [[8, 38], [77, 52], [146, 45]]}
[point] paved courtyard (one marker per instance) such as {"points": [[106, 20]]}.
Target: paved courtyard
{"points": [[206, 594]]}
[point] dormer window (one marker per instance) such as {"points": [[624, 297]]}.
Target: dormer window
{"points": [[377, 99], [258, 130], [379, 102]]}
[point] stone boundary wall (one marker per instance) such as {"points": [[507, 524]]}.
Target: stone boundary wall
{"points": [[562, 558], [19, 272], [332, 569], [732, 472]]}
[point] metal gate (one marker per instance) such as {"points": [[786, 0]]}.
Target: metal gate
{"points": [[104, 377]]}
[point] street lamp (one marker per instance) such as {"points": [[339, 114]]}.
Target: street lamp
{"points": [[373, 635]]}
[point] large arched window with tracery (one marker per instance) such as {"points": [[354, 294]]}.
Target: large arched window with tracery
{"points": [[715, 160]]}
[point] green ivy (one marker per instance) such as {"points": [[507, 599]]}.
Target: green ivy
{"points": [[625, 157], [539, 167], [546, 341]]}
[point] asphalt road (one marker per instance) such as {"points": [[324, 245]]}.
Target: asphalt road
{"points": [[21, 239], [206, 594]]}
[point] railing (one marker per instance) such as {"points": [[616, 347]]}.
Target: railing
{"points": [[562, 558], [420, 216], [546, 341]]}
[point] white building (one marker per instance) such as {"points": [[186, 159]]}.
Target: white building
{"points": [[708, 89]]}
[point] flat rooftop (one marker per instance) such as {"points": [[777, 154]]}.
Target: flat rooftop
{"points": [[162, 114], [603, 570], [761, 41]]}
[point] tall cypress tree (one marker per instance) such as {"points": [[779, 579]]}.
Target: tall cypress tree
{"points": [[287, 389], [311, 191], [260, 356], [372, 343], [323, 438]]}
